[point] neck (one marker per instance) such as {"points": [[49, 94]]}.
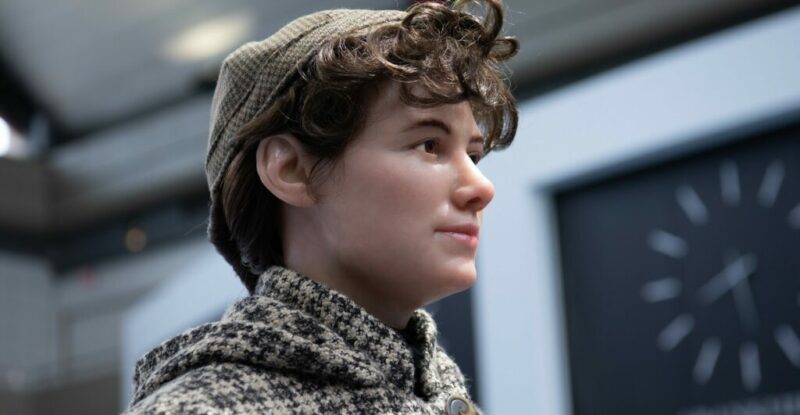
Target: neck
{"points": [[305, 255]]}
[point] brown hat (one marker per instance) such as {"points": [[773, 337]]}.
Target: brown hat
{"points": [[256, 74], [252, 79]]}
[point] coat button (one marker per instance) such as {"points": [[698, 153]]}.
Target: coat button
{"points": [[457, 405]]}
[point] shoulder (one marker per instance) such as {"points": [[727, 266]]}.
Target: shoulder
{"points": [[225, 388]]}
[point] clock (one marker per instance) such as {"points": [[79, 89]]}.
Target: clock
{"points": [[681, 282]]}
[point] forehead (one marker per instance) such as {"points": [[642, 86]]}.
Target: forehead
{"points": [[385, 107]]}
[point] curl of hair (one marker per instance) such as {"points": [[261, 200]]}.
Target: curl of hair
{"points": [[453, 55]]}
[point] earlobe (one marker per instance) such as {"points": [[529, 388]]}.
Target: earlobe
{"points": [[283, 167]]}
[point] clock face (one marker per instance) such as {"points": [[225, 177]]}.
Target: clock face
{"points": [[682, 282]]}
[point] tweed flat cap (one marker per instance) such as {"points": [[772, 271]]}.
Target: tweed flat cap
{"points": [[253, 76]]}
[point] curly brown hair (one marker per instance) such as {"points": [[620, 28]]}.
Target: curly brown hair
{"points": [[452, 54]]}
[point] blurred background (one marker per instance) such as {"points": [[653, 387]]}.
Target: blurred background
{"points": [[640, 256]]}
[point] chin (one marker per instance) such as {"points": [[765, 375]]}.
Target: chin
{"points": [[450, 277], [461, 278], [454, 287]]}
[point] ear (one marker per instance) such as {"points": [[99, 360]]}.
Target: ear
{"points": [[283, 167]]}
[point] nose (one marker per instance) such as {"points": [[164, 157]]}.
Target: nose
{"points": [[474, 190]]}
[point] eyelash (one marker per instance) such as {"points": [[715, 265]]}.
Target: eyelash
{"points": [[474, 157]]}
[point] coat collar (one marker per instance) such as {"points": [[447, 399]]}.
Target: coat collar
{"points": [[405, 358]]}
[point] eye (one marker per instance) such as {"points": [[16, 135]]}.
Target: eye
{"points": [[429, 146]]}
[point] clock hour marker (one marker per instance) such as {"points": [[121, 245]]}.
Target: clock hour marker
{"points": [[675, 331], [751, 368], [667, 244], [706, 360], [660, 290], [789, 343], [729, 181], [691, 204], [771, 184], [794, 217]]}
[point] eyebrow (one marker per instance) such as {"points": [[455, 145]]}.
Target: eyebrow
{"points": [[437, 123]]}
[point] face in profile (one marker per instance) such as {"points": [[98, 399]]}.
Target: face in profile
{"points": [[400, 213]]}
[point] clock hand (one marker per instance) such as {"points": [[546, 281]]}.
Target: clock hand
{"points": [[745, 305], [744, 300], [729, 277]]}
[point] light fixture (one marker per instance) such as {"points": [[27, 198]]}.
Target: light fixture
{"points": [[209, 38], [135, 239], [5, 137], [11, 144]]}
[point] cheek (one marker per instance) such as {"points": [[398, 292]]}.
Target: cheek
{"points": [[389, 202], [415, 197]]}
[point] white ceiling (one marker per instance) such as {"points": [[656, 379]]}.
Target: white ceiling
{"points": [[95, 62]]}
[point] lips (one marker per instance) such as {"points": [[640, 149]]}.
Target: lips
{"points": [[466, 229], [465, 235]]}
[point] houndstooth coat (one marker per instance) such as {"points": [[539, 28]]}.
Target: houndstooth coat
{"points": [[297, 347]]}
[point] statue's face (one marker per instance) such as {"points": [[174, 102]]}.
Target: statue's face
{"points": [[401, 210]]}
